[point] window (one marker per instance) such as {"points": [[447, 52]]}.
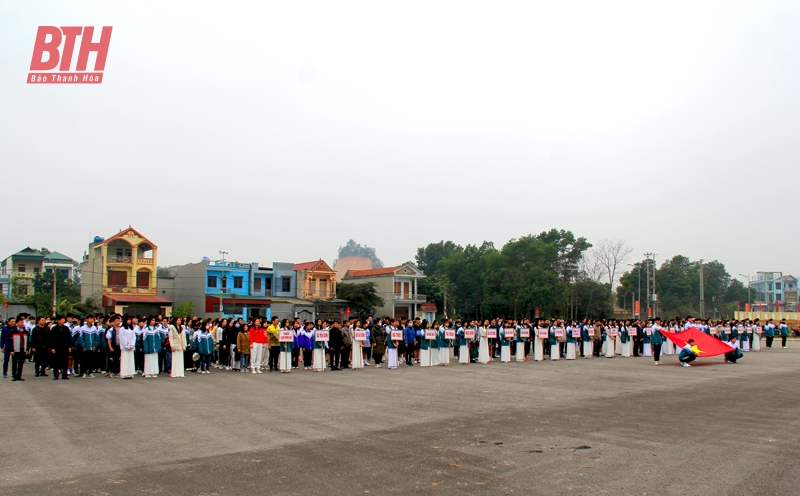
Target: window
{"points": [[21, 268], [117, 278], [286, 284], [237, 282], [36, 270], [268, 285], [212, 281], [143, 279], [777, 286], [769, 286], [224, 282], [257, 284], [64, 272], [777, 297], [48, 271]]}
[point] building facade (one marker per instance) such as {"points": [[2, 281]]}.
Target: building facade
{"points": [[20, 269], [774, 292], [121, 271], [396, 285]]}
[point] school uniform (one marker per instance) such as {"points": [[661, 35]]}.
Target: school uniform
{"points": [[358, 352], [757, 330], [505, 334], [625, 342], [285, 356], [205, 345], [520, 351], [483, 346], [444, 347], [538, 345], [555, 334], [570, 354], [112, 336], [610, 345], [744, 338], [151, 346], [463, 344], [391, 346], [319, 354], [769, 334], [656, 340], [138, 354], [783, 330], [425, 353], [648, 332], [127, 345], [588, 342]]}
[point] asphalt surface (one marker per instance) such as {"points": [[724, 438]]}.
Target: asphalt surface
{"points": [[601, 426]]}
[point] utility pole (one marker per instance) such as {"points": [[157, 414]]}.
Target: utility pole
{"points": [[749, 301], [221, 303], [55, 302], [649, 299], [702, 297], [445, 302]]}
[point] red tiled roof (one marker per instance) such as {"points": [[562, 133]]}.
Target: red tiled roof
{"points": [[428, 307], [305, 265], [373, 272]]}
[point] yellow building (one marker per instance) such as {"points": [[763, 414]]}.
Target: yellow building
{"points": [[315, 280], [122, 271]]}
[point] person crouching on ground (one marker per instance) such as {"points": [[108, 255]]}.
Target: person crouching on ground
{"points": [[687, 354], [735, 353]]}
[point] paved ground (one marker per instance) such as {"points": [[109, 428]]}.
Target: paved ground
{"points": [[602, 426]]}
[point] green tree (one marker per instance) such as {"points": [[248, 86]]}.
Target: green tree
{"points": [[184, 309], [68, 293], [163, 272], [362, 296]]}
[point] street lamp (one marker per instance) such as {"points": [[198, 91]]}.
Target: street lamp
{"points": [[54, 284]]}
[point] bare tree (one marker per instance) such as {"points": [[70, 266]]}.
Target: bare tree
{"points": [[610, 255], [590, 266]]}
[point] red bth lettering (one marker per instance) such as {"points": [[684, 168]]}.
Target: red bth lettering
{"points": [[42, 45], [100, 47]]}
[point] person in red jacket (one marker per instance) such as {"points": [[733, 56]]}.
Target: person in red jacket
{"points": [[258, 338]]}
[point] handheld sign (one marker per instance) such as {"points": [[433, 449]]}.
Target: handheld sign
{"points": [[449, 334], [524, 332], [397, 335], [360, 335], [648, 331], [590, 331], [758, 330], [491, 333], [613, 331], [430, 334], [509, 333], [321, 335], [632, 331], [576, 333], [558, 331], [469, 333], [544, 333], [285, 337]]}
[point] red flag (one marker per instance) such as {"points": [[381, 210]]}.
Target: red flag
{"points": [[707, 346]]}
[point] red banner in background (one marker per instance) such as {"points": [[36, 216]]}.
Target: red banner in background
{"points": [[636, 308]]}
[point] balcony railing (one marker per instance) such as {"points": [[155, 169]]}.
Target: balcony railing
{"points": [[119, 259], [420, 298], [128, 289], [144, 261], [318, 295]]}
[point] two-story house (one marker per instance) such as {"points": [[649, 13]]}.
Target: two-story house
{"points": [[396, 285], [122, 270], [774, 292], [21, 268]]}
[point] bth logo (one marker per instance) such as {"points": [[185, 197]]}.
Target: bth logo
{"points": [[47, 57]]}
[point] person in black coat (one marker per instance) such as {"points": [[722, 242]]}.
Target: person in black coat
{"points": [[39, 348], [335, 344], [59, 342]]}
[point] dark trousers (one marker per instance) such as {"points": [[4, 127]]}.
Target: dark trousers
{"points": [[656, 352], [295, 357], [637, 346], [113, 361], [783, 341], [274, 353], [345, 352], [138, 360], [335, 357], [59, 362], [41, 362], [85, 362], [769, 341], [162, 362], [732, 356], [409, 355], [205, 362], [6, 359], [224, 356], [378, 357], [690, 358], [17, 361], [307, 357], [456, 350], [598, 347]]}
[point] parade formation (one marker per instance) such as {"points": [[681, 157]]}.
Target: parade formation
{"points": [[124, 346]]}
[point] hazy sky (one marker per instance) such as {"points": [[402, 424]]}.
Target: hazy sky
{"points": [[278, 130]]}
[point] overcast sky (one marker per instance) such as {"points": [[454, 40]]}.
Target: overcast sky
{"points": [[276, 131]]}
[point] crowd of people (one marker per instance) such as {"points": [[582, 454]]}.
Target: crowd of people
{"points": [[125, 346]]}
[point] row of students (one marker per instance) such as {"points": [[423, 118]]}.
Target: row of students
{"points": [[124, 346]]}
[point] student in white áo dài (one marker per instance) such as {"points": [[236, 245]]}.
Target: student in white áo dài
{"points": [[483, 344]]}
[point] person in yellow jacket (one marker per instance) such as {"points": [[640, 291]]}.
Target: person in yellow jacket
{"points": [[273, 332]]}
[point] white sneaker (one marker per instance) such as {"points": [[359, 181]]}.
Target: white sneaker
{"points": [[686, 364]]}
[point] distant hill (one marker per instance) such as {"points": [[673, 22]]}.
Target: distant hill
{"points": [[343, 264]]}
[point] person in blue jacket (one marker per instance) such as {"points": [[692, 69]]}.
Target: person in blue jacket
{"points": [[204, 344], [769, 333], [783, 329], [656, 340], [687, 354], [410, 338], [151, 345]]}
